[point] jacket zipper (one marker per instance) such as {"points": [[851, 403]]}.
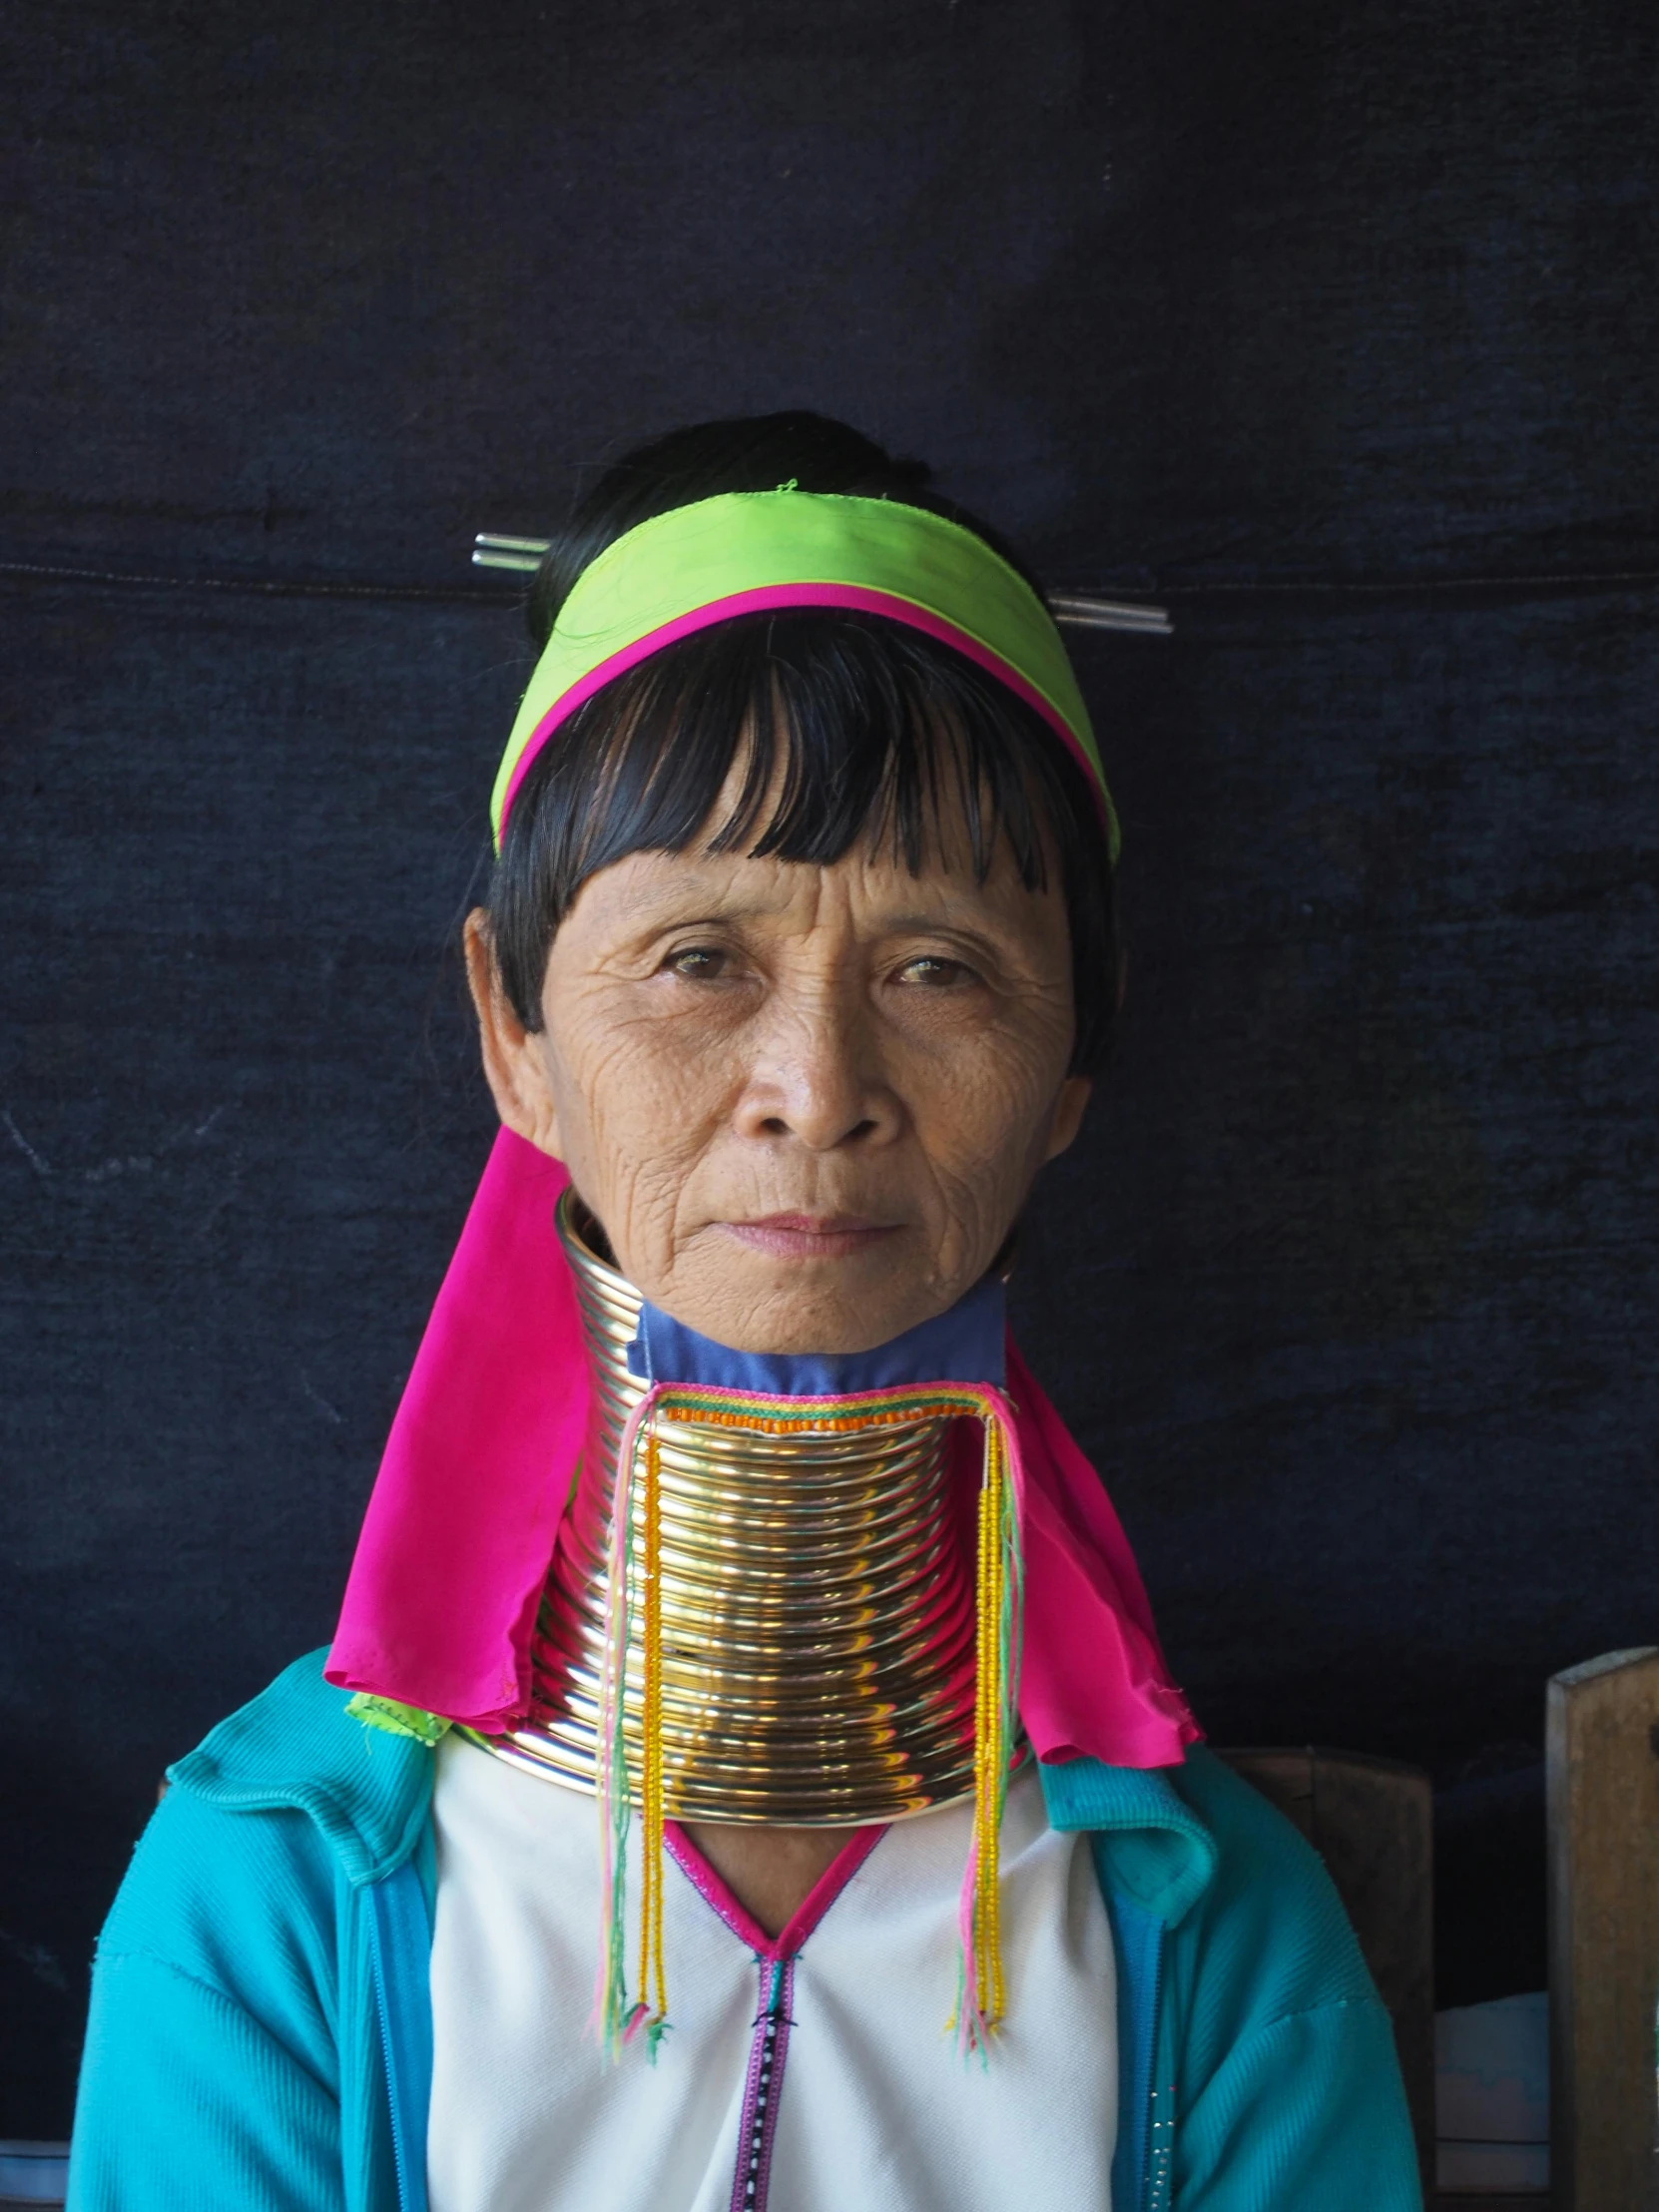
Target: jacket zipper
{"points": [[396, 1918], [384, 2026]]}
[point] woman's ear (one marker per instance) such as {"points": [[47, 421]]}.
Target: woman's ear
{"points": [[513, 1064], [1069, 1109]]}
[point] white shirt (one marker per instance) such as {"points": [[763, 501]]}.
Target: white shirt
{"points": [[813, 2073]]}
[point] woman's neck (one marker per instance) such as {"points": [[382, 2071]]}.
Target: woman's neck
{"points": [[769, 1870]]}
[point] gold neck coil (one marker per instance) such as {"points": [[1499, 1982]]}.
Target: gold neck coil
{"points": [[818, 1607]]}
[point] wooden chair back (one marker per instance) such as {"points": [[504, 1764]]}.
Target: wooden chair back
{"points": [[1601, 1768]]}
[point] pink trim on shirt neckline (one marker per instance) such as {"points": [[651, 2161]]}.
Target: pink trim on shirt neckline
{"points": [[862, 598], [719, 1897]]}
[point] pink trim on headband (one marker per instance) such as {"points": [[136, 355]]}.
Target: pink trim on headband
{"points": [[860, 597]]}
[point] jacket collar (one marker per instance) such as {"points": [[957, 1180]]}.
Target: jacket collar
{"points": [[296, 1748], [1151, 1843]]}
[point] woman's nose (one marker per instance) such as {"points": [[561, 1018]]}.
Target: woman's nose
{"points": [[816, 1075]]}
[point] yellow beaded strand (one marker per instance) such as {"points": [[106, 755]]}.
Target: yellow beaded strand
{"points": [[990, 1752], [653, 1984]]}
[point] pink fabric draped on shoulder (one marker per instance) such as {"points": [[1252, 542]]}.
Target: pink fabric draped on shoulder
{"points": [[441, 1601]]}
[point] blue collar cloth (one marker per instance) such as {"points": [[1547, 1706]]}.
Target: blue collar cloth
{"points": [[968, 1344]]}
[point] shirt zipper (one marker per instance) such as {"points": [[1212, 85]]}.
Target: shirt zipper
{"points": [[763, 2087]]}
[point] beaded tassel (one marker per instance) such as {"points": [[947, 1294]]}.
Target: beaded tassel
{"points": [[981, 1994], [998, 1598], [651, 2014], [614, 2022]]}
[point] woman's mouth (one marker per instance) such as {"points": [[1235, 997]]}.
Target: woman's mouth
{"points": [[809, 1236]]}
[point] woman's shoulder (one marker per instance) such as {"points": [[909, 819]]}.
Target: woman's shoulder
{"points": [[1270, 1905], [231, 1960], [301, 1745], [1276, 2009], [258, 1825], [1196, 1848]]}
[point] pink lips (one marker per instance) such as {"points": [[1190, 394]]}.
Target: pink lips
{"points": [[809, 1236]]}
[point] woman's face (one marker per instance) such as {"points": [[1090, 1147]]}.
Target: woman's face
{"points": [[806, 1103]]}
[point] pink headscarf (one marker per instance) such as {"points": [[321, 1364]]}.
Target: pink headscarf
{"points": [[459, 1538]]}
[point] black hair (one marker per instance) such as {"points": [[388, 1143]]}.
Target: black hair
{"points": [[860, 727]]}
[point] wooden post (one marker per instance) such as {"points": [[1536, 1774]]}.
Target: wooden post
{"points": [[1373, 1823], [1602, 1771]]}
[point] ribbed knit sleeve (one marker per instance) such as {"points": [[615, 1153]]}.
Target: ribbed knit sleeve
{"points": [[210, 2073], [188, 2100], [1306, 2115]]}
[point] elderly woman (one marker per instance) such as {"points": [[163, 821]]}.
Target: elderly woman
{"points": [[746, 1771]]}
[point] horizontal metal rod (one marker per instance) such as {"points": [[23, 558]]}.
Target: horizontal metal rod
{"points": [[1074, 610], [487, 557], [1081, 610], [495, 540]]}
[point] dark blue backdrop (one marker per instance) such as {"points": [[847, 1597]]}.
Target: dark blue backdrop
{"points": [[1331, 321]]}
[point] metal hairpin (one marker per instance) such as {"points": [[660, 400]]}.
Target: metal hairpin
{"points": [[491, 550], [1086, 610], [1073, 609]]}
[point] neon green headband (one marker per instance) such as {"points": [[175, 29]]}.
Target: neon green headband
{"points": [[748, 552]]}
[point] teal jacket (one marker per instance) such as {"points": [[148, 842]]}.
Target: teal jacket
{"points": [[261, 2035]]}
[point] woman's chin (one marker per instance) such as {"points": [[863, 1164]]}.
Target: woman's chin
{"points": [[805, 1306], [835, 1333]]}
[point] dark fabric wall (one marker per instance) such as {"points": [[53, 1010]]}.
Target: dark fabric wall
{"points": [[1333, 324]]}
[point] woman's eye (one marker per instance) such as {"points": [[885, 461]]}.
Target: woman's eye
{"points": [[697, 964], [934, 972]]}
